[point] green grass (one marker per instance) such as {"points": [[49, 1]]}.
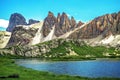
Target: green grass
{"points": [[82, 50], [59, 51], [8, 67]]}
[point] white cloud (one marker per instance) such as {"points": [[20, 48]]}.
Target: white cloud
{"points": [[4, 23]]}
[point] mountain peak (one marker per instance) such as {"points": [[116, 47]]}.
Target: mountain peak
{"points": [[15, 19], [32, 21], [63, 13], [50, 13]]}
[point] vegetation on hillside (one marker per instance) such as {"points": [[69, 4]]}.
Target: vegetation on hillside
{"points": [[81, 49], [62, 50]]}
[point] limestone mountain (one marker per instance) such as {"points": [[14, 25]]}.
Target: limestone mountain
{"points": [[62, 24], [43, 39], [15, 19], [24, 34], [29, 35], [32, 21], [103, 25], [52, 28], [18, 19], [102, 29], [49, 21]]}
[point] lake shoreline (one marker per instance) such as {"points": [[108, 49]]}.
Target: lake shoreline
{"points": [[27, 73], [68, 58]]}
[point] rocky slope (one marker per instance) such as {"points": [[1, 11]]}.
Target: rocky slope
{"points": [[103, 30], [24, 34], [104, 25], [60, 48], [30, 35]]}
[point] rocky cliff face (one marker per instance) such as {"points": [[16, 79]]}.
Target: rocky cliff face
{"points": [[63, 27], [52, 27], [23, 34], [15, 19], [18, 19], [62, 24], [29, 35], [49, 22], [104, 25]]}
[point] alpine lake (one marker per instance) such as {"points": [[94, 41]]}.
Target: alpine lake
{"points": [[105, 67]]}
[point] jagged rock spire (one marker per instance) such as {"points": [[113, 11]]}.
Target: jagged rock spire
{"points": [[62, 22]]}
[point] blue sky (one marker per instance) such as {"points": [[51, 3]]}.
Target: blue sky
{"points": [[83, 10]]}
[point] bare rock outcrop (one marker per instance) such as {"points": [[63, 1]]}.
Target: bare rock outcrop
{"points": [[62, 24], [15, 19], [32, 21], [104, 25]]}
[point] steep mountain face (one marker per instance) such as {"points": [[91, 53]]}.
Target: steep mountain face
{"points": [[30, 35], [102, 29], [18, 19], [79, 24], [73, 23], [104, 25], [49, 21], [34, 32], [24, 34], [15, 19], [31, 21], [62, 24]]}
